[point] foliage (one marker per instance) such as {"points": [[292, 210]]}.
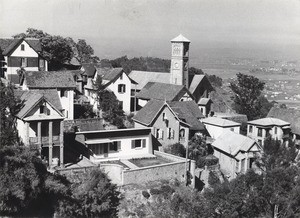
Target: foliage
{"points": [[215, 80], [83, 111], [85, 53], [213, 179], [146, 194], [198, 150], [95, 196], [9, 106], [247, 96], [176, 149], [109, 105], [26, 186]]}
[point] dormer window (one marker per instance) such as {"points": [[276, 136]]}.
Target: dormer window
{"points": [[42, 109], [22, 47]]}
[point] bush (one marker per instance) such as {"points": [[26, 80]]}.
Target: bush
{"points": [[146, 194], [176, 149], [155, 191], [213, 179]]}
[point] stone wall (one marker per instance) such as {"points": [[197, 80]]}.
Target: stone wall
{"points": [[114, 172]]}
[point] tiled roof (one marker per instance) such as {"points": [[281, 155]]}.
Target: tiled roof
{"points": [[89, 69], [197, 79], [14, 78], [143, 77], [188, 112], [32, 97], [7, 45], [82, 125], [110, 74], [219, 122], [239, 118], [204, 101], [148, 113], [50, 79], [162, 91], [180, 38], [268, 121], [231, 143], [287, 114]]}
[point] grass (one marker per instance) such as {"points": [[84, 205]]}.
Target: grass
{"points": [[114, 162], [145, 162]]}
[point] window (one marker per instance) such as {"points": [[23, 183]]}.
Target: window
{"points": [[115, 146], [232, 129], [237, 166], [121, 88], [138, 143], [23, 62], [159, 134], [121, 76], [250, 128], [121, 104], [243, 165], [275, 129], [171, 133], [42, 109], [164, 116], [63, 93], [259, 132], [182, 134], [22, 47], [42, 63], [97, 149], [259, 142]]}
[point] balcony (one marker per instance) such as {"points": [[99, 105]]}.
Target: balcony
{"points": [[33, 141]]}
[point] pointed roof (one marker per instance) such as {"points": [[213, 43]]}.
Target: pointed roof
{"points": [[215, 121], [7, 46], [269, 121], [180, 38], [143, 77]]}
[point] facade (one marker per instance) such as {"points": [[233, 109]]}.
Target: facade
{"points": [[19, 54], [62, 81], [40, 124], [236, 153], [260, 129], [217, 126], [118, 144], [171, 122]]}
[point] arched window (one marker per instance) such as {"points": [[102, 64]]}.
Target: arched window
{"points": [[182, 133]]}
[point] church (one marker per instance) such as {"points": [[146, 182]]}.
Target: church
{"points": [[176, 85]]}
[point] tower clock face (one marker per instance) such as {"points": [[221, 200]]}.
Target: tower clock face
{"points": [[176, 65]]}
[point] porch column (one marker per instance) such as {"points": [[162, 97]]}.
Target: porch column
{"points": [[50, 142], [61, 139], [27, 141], [150, 146], [39, 136]]}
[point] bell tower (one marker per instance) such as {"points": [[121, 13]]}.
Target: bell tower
{"points": [[180, 61]]}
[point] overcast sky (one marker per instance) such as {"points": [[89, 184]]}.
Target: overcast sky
{"points": [[145, 27]]}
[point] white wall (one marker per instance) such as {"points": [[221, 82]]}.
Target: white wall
{"points": [[28, 51], [21, 127], [67, 102], [216, 131]]}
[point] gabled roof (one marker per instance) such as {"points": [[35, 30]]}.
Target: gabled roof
{"points": [[89, 69], [32, 97], [232, 143], [204, 101], [180, 38], [109, 74], [7, 46], [162, 91], [215, 121], [197, 79], [268, 121], [287, 114], [143, 77], [189, 112], [50, 79]]}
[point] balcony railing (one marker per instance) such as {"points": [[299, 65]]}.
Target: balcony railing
{"points": [[33, 141]]}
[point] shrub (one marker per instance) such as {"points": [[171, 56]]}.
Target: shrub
{"points": [[213, 179], [155, 191], [176, 149], [146, 194]]}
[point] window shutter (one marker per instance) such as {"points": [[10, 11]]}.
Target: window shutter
{"points": [[119, 88], [119, 145], [132, 144], [144, 143], [173, 133], [162, 134]]}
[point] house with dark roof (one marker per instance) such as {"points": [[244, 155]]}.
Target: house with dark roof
{"points": [[262, 128], [40, 124], [62, 81], [290, 115], [236, 153], [114, 80], [20, 53], [163, 91], [172, 122], [217, 126]]}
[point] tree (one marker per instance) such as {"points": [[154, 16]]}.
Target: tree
{"points": [[9, 106], [176, 149], [96, 196], [27, 188], [215, 80], [85, 52], [109, 105], [247, 92], [198, 150]]}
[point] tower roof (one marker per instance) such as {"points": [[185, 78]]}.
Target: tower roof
{"points": [[180, 38]]}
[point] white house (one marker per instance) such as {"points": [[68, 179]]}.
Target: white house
{"points": [[118, 144], [62, 81], [217, 126], [262, 128], [114, 80], [40, 124], [236, 153], [20, 53]]}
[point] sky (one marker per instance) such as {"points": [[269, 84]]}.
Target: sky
{"points": [[266, 28]]}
